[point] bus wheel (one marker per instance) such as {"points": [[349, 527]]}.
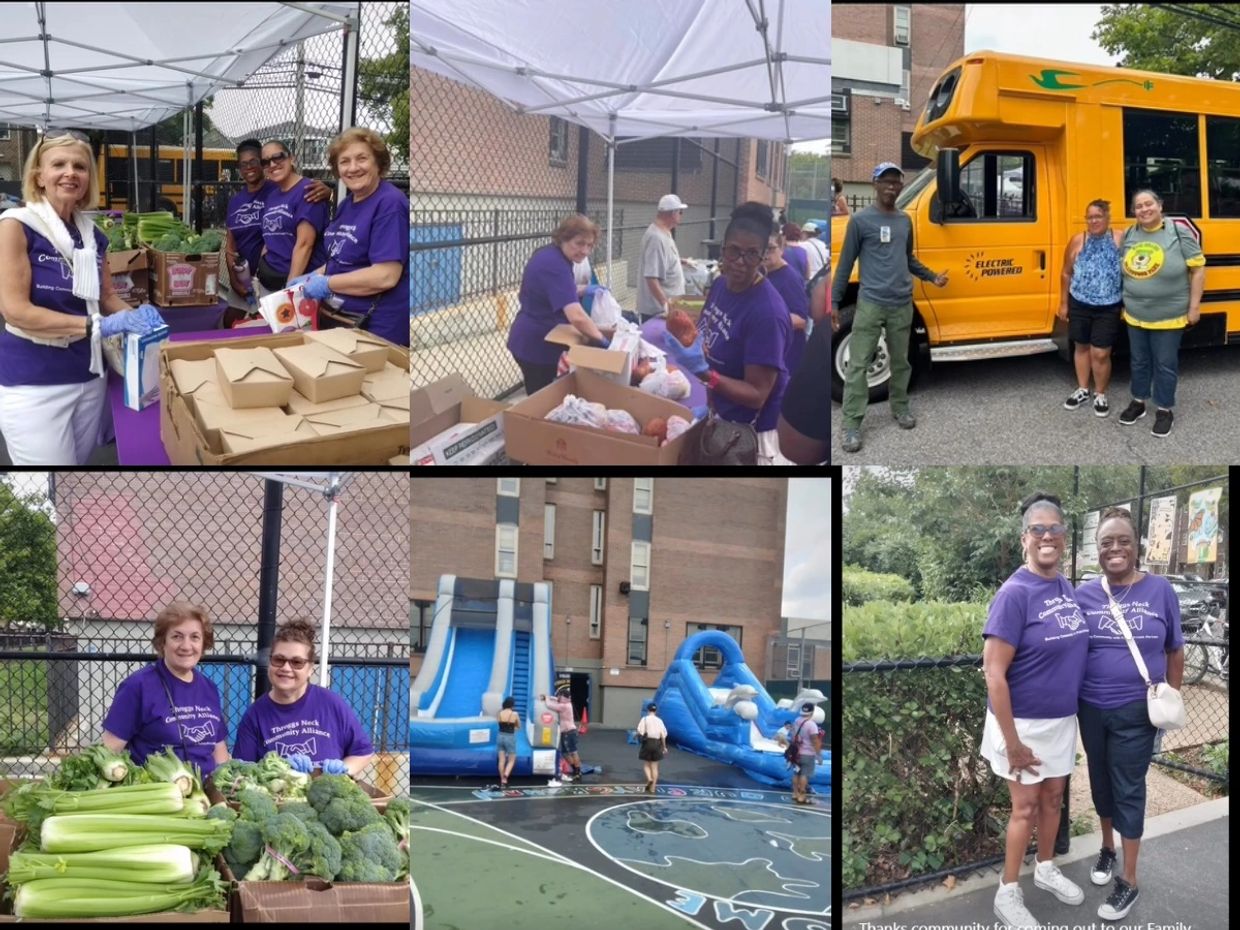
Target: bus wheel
{"points": [[878, 374]]}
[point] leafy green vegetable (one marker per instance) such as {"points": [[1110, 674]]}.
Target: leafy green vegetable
{"points": [[66, 897], [167, 767], [84, 771], [125, 799], [370, 855], [162, 862], [90, 832]]}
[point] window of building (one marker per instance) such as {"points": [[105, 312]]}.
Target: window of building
{"points": [[839, 103], [800, 661], [420, 624], [637, 640], [906, 79], [549, 531], [508, 487], [762, 159], [553, 481], [793, 665], [902, 17], [841, 137], [596, 610], [505, 551], [1223, 159], [600, 484], [643, 495], [639, 566], [559, 141], [1161, 152], [597, 537], [710, 656], [4, 132], [995, 186]]}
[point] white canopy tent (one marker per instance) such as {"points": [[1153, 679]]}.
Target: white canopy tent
{"points": [[130, 65], [641, 69]]}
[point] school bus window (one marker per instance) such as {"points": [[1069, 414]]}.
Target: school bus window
{"points": [[941, 95], [167, 171], [1223, 161], [1161, 153], [995, 186]]}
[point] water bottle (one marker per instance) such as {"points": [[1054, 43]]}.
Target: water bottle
{"points": [[242, 270]]}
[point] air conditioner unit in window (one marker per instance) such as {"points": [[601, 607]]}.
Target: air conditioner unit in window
{"points": [[624, 587]]}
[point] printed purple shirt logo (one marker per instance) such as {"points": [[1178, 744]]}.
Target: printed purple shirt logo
{"points": [[200, 734], [305, 748], [1066, 621], [1134, 617]]}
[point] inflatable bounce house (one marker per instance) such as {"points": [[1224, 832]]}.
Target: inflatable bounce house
{"points": [[733, 720], [489, 639]]}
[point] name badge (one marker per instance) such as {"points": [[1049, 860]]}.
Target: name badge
{"points": [[884, 234]]}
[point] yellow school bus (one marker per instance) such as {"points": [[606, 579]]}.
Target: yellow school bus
{"points": [[1020, 146], [115, 168]]}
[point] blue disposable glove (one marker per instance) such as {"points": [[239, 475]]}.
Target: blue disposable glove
{"points": [[127, 321], [301, 763], [316, 287], [335, 767], [700, 412], [150, 315], [297, 280], [604, 343], [691, 359]]}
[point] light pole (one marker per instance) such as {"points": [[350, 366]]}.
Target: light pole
{"points": [[801, 662]]}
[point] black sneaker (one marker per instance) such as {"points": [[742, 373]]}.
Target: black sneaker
{"points": [[1101, 872], [1132, 413], [1076, 398], [1101, 407], [1120, 902], [1162, 422]]}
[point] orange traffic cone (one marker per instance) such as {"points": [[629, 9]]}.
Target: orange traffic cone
{"points": [[584, 727]]}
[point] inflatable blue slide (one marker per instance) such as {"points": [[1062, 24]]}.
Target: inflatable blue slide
{"points": [[733, 720]]}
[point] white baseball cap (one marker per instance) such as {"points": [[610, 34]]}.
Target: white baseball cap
{"points": [[671, 202]]}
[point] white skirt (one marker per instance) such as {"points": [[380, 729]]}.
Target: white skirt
{"points": [[1053, 740]]}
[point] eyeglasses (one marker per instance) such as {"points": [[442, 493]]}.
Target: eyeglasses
{"points": [[732, 253], [280, 661], [1038, 530], [274, 159], [249, 163]]}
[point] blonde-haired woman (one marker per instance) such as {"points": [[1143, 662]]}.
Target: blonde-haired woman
{"points": [[57, 305], [365, 281], [549, 296], [170, 703]]}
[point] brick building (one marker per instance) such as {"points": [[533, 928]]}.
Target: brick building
{"points": [[885, 59], [713, 557]]}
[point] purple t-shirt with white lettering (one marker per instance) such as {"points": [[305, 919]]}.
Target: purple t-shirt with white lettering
{"points": [[319, 724], [795, 256], [140, 715], [1040, 618], [245, 221], [51, 287], [791, 287], [547, 287], [749, 328], [367, 233], [1152, 612], [283, 212]]}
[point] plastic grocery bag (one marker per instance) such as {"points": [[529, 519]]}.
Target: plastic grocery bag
{"points": [[577, 411], [621, 421], [604, 308], [676, 426]]}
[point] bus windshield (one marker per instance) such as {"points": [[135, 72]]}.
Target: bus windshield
{"points": [[915, 187]]}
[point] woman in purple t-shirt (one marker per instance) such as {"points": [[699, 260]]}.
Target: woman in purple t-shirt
{"points": [[57, 306], [1115, 721], [549, 296], [170, 703], [292, 226], [365, 283], [1034, 660]]}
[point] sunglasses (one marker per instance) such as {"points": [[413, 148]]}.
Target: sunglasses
{"points": [[62, 133], [281, 661], [1037, 530], [274, 159]]}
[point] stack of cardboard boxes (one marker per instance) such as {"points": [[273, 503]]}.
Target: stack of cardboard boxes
{"points": [[331, 397]]}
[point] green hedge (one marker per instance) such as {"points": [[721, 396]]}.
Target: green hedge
{"points": [[861, 587], [918, 795]]}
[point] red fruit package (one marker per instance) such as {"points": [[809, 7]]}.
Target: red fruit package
{"points": [[681, 326], [656, 428]]}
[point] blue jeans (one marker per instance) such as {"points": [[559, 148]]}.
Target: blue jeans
{"points": [[1118, 745], [1156, 352]]}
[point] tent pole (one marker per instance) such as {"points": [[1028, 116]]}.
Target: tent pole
{"points": [[327, 575], [611, 197]]}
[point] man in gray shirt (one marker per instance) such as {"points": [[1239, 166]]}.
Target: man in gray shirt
{"points": [[662, 278], [882, 238]]}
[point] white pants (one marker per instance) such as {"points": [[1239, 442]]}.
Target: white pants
{"points": [[768, 449], [54, 424]]}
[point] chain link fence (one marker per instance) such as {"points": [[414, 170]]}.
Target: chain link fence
{"points": [[488, 187], [129, 543]]}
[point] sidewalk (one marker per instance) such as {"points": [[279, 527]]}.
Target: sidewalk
{"points": [[1183, 878]]}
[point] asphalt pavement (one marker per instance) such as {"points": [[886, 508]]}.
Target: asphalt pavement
{"points": [[1183, 877], [1007, 411]]}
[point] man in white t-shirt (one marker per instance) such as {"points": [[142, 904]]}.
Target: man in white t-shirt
{"points": [[815, 248], [662, 276]]}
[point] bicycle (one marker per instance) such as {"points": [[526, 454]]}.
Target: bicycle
{"points": [[1201, 657]]}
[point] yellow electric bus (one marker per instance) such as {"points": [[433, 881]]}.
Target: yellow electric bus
{"points": [[115, 168], [1020, 146]]}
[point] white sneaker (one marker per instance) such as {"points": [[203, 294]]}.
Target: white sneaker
{"points": [[1046, 875], [554, 783], [1010, 908]]}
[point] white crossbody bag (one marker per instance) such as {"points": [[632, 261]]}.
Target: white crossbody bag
{"points": [[1164, 703]]}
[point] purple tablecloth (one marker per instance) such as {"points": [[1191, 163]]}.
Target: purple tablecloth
{"points": [[193, 319], [137, 432], [652, 331]]}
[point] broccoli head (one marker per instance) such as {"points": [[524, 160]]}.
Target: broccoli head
{"points": [[397, 817], [300, 810], [168, 242], [326, 787], [256, 805], [346, 814], [244, 848], [284, 836], [221, 811], [323, 857], [370, 855], [234, 776]]}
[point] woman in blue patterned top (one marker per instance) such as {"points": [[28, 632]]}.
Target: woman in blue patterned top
{"points": [[1090, 301]]}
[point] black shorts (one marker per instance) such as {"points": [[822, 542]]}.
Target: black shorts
{"points": [[1091, 325]]}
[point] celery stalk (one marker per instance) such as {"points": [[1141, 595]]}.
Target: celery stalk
{"points": [[65, 897], [91, 832], [164, 863]]}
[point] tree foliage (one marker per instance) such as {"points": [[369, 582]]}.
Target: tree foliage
{"points": [[383, 83], [1174, 41], [27, 562]]}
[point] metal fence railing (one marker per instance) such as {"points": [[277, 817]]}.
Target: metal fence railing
{"points": [[126, 544]]}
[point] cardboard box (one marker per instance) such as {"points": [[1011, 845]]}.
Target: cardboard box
{"points": [[395, 408], [213, 418], [368, 351], [450, 425], [530, 439], [141, 372], [199, 381], [252, 377], [348, 420], [399, 460], [186, 443], [615, 363], [131, 275], [184, 279], [319, 374], [389, 382], [289, 310], [237, 438], [304, 407]]}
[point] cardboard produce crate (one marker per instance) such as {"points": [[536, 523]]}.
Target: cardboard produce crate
{"points": [[186, 443], [131, 275], [450, 425], [184, 279]]}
